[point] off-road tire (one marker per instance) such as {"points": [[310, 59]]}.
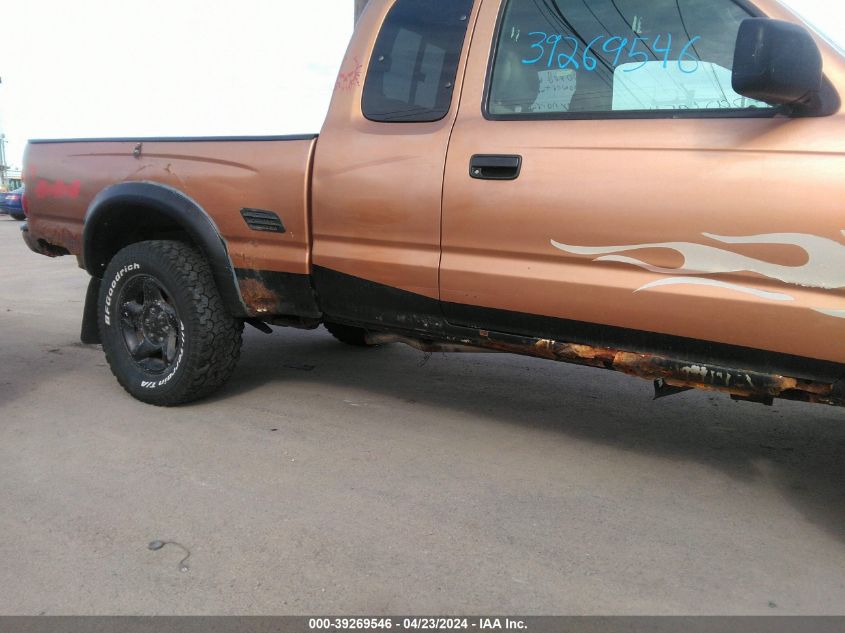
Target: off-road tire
{"points": [[207, 338], [355, 336]]}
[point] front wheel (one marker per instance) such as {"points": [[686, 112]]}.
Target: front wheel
{"points": [[167, 336]]}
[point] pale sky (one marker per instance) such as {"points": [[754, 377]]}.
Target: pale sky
{"points": [[88, 68], [80, 68]]}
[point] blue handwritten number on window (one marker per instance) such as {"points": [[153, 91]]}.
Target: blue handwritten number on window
{"points": [[656, 48], [590, 62], [609, 47], [634, 54], [564, 60], [554, 40], [686, 53], [538, 44], [614, 45]]}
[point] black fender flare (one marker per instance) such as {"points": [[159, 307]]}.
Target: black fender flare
{"points": [[176, 208]]}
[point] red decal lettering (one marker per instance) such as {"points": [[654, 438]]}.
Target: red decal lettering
{"points": [[58, 189]]}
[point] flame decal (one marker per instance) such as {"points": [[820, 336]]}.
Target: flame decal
{"points": [[825, 267], [837, 314], [698, 281]]}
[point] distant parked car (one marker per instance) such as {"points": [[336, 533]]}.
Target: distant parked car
{"points": [[12, 203]]}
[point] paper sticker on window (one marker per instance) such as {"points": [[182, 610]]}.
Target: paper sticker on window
{"points": [[557, 87]]}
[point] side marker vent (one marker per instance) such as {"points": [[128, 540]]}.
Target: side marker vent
{"points": [[264, 221]]}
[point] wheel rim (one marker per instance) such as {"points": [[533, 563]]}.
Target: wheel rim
{"points": [[149, 323]]}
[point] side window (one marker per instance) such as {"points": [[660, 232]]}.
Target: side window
{"points": [[559, 57], [415, 61]]}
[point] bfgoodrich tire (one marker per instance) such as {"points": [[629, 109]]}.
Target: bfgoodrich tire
{"points": [[167, 336]]}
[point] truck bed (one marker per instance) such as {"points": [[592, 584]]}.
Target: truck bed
{"points": [[222, 175]]}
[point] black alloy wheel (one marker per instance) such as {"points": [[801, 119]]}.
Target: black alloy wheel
{"points": [[150, 324]]}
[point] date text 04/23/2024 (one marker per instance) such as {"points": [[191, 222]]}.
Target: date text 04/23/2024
{"points": [[416, 624]]}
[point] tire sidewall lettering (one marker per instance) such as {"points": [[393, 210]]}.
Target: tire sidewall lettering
{"points": [[112, 289], [207, 337], [146, 381], [157, 384]]}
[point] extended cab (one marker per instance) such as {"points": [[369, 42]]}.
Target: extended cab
{"points": [[650, 186]]}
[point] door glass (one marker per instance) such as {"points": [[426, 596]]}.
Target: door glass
{"points": [[572, 56]]}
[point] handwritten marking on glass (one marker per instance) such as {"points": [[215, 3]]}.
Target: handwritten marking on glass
{"points": [[565, 51]]}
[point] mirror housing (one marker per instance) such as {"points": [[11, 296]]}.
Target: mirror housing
{"points": [[777, 62]]}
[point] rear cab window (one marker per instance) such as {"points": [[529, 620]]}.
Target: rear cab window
{"points": [[415, 61], [606, 58]]}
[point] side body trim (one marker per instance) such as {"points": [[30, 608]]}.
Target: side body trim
{"points": [[679, 362], [359, 301]]}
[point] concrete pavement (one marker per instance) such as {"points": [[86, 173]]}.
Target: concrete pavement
{"points": [[327, 479]]}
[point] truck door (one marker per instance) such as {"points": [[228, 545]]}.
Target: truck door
{"points": [[603, 171], [378, 179]]}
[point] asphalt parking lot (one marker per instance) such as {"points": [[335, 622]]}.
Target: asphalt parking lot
{"points": [[327, 479]]}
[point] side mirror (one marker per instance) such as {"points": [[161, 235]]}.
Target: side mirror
{"points": [[777, 62]]}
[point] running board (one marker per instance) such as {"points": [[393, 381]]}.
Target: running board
{"points": [[670, 376]]}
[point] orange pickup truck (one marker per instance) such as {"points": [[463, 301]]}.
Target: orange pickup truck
{"points": [[655, 187]]}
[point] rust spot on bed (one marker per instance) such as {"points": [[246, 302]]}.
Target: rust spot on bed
{"points": [[53, 240]]}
